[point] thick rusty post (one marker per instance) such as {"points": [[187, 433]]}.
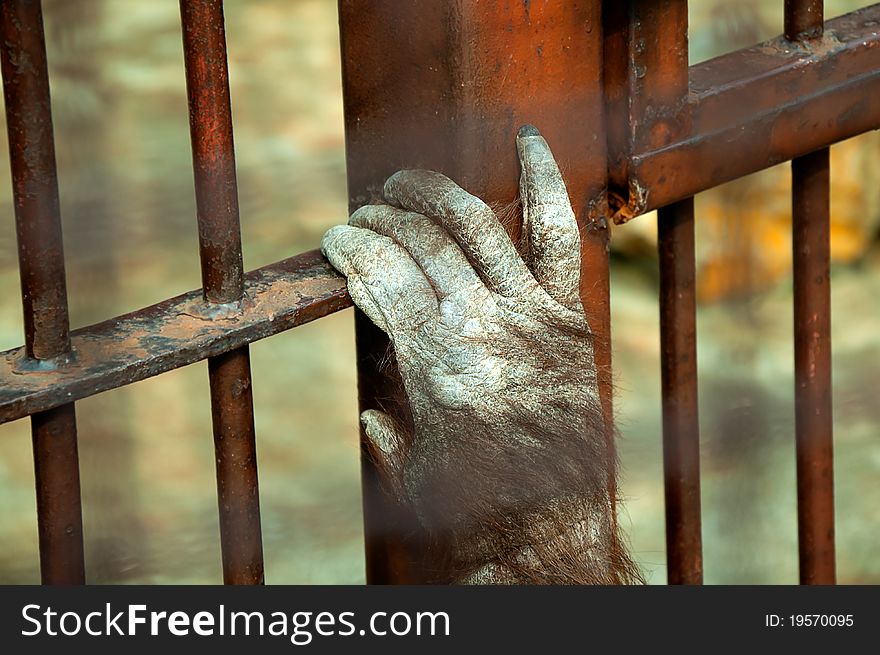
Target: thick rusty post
{"points": [[812, 335], [43, 285], [210, 117], [462, 79], [678, 367]]}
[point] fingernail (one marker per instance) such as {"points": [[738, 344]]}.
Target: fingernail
{"points": [[528, 130]]}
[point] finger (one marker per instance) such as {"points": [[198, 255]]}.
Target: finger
{"points": [[383, 280], [550, 229], [386, 447], [470, 222], [436, 253]]}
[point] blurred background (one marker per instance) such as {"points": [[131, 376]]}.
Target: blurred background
{"points": [[146, 451]]}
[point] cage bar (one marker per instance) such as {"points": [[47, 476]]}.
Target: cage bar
{"points": [[210, 113], [812, 335], [646, 87], [649, 102], [43, 285], [803, 19], [812, 346], [811, 249], [678, 366]]}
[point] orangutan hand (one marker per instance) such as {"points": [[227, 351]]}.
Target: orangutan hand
{"points": [[507, 461]]}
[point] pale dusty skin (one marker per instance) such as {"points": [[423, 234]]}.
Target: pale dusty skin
{"points": [[506, 463]]}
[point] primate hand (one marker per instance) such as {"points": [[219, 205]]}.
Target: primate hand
{"points": [[507, 462]]}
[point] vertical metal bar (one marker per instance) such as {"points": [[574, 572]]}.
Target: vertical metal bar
{"points": [[812, 345], [804, 19], [420, 109], [812, 336], [646, 86], [678, 366], [43, 284], [658, 72], [210, 117], [646, 81], [658, 113], [238, 497], [667, 85]]}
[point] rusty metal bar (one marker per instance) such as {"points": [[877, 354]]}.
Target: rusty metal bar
{"points": [[678, 366], [804, 19], [536, 63], [43, 285], [210, 118], [171, 334], [812, 343], [759, 107], [232, 408], [647, 71], [812, 336], [646, 88]]}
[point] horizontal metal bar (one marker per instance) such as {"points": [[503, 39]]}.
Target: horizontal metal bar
{"points": [[43, 283], [758, 107], [232, 403], [171, 334], [811, 232]]}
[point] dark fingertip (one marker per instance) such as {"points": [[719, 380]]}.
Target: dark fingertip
{"points": [[528, 130]]}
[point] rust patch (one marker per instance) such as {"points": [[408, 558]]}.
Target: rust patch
{"points": [[635, 205]]}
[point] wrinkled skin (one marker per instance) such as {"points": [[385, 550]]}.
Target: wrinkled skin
{"points": [[506, 463]]}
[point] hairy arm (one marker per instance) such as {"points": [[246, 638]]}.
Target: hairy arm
{"points": [[506, 463]]}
